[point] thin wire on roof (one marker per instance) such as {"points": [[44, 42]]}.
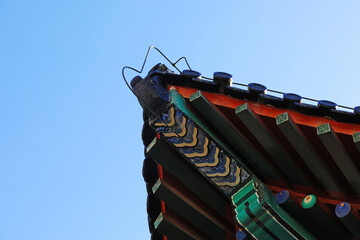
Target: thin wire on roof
{"points": [[202, 77]]}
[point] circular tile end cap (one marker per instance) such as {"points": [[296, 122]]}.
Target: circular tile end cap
{"points": [[342, 209], [292, 97], [222, 75], [357, 110], [327, 104], [308, 201], [191, 73], [240, 234], [256, 87], [282, 196]]}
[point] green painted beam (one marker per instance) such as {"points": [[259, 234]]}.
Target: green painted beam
{"points": [[257, 211], [307, 152], [243, 194], [190, 210], [278, 213], [172, 229], [269, 142], [254, 228], [339, 154], [178, 167], [230, 133]]}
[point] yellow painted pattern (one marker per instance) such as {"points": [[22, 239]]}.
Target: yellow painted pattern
{"points": [[195, 140], [191, 144], [172, 117], [183, 130], [202, 154], [227, 170], [213, 164], [231, 184]]}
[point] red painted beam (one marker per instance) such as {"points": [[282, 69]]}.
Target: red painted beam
{"points": [[355, 205], [299, 118]]}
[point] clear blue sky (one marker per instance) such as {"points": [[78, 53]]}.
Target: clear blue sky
{"points": [[70, 131]]}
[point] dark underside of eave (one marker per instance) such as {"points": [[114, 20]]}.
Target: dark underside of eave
{"points": [[182, 218], [180, 201]]}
